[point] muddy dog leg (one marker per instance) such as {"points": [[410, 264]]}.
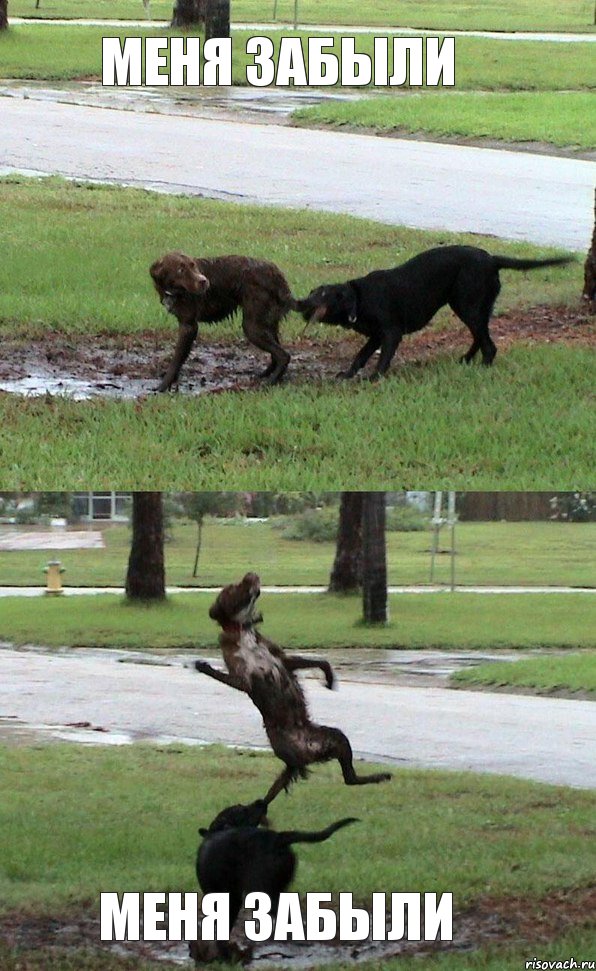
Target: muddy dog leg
{"points": [[205, 668], [362, 357], [283, 781], [186, 337], [260, 323], [335, 745], [296, 663]]}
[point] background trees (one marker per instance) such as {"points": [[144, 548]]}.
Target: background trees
{"points": [[145, 577]]}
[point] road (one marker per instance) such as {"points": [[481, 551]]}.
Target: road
{"points": [[39, 591], [515, 195], [548, 740]]}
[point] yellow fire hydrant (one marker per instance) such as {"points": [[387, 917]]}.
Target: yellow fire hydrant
{"points": [[54, 571]]}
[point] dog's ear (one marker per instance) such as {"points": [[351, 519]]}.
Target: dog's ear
{"points": [[216, 611], [156, 270], [203, 831]]}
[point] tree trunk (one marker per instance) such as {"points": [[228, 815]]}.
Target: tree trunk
{"points": [[3, 14], [374, 558], [589, 293], [198, 551], [217, 18], [145, 579], [346, 573], [188, 13]]}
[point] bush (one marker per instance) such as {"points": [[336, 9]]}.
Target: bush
{"points": [[316, 525], [406, 519]]}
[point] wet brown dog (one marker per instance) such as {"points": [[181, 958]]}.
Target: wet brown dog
{"points": [[209, 290], [265, 673]]}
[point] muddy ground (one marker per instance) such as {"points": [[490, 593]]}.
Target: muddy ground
{"points": [[490, 921], [129, 366]]}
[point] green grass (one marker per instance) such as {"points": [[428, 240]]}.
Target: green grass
{"points": [[561, 118], [545, 675], [62, 52], [71, 819], [113, 293], [303, 437], [450, 621], [463, 14], [554, 554], [296, 437]]}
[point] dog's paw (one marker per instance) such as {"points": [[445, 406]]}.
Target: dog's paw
{"points": [[203, 666], [344, 375]]}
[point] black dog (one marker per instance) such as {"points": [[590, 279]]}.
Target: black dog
{"points": [[387, 304], [237, 857]]}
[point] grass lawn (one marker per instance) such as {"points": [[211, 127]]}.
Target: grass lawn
{"points": [[463, 14], [489, 841], [294, 437], [451, 621], [61, 52], [576, 672], [559, 118], [303, 437], [554, 554], [113, 293]]}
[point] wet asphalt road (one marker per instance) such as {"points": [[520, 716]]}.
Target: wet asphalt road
{"points": [[514, 195], [548, 740]]}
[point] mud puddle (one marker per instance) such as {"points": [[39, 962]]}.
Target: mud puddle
{"points": [[128, 367], [470, 930]]}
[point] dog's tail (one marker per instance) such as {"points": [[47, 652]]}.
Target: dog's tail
{"points": [[510, 263], [296, 836]]}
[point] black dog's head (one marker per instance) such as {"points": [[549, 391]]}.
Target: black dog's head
{"points": [[336, 303], [237, 817]]}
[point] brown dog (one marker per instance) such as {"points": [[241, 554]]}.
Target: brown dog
{"points": [[266, 674], [209, 290]]}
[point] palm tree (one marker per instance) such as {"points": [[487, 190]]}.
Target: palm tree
{"points": [[346, 573], [145, 578], [188, 13], [590, 270], [217, 19], [374, 559]]}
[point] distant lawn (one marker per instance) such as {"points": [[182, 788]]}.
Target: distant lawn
{"points": [[62, 52], [487, 553], [573, 15], [576, 672], [560, 118], [451, 621]]}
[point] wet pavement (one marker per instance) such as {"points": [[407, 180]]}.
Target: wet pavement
{"points": [[109, 697], [234, 103], [514, 195]]}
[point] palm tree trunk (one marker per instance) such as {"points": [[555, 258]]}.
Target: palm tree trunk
{"points": [[217, 19], [374, 559], [145, 578], [590, 270], [3, 14], [188, 13], [346, 573]]}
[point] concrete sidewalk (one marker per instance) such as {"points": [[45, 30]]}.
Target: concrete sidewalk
{"points": [[379, 30], [7, 591]]}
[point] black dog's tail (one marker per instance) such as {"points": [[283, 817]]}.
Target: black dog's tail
{"points": [[296, 836], [510, 263]]}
